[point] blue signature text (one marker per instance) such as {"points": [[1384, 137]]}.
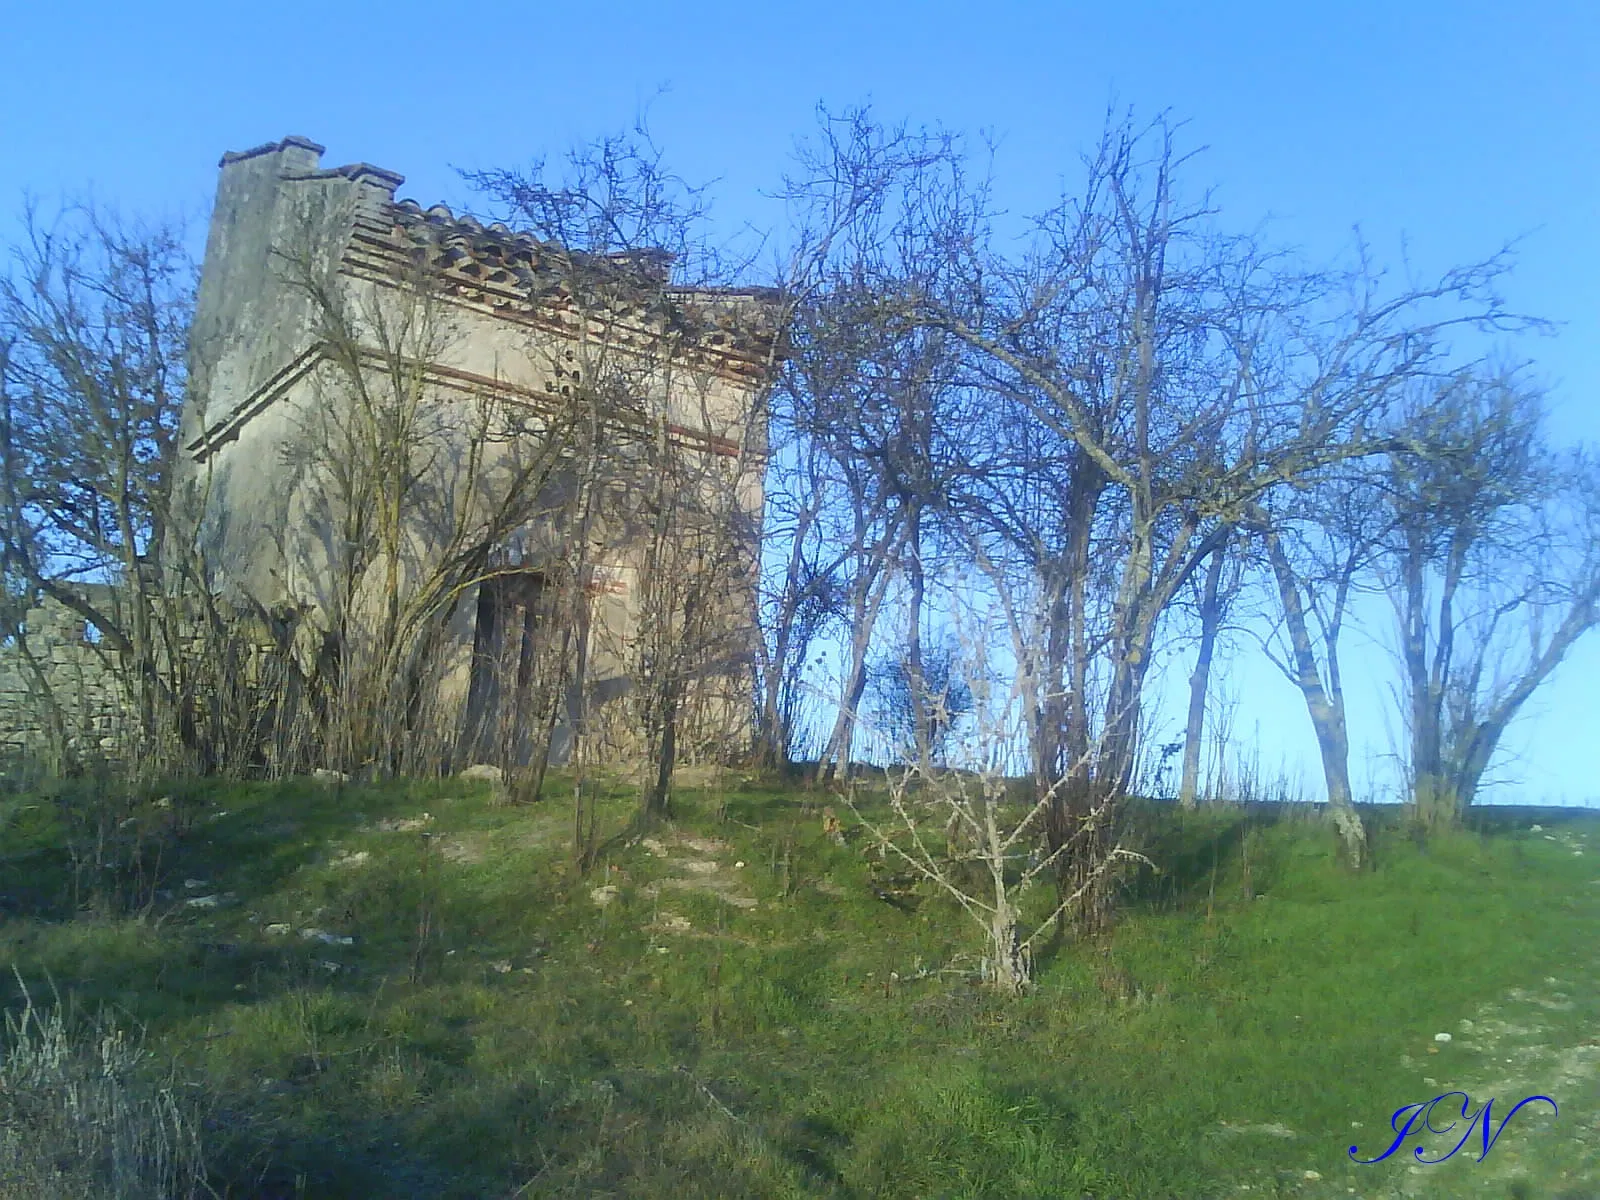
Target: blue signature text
{"points": [[1418, 1123]]}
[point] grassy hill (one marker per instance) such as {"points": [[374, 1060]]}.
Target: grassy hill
{"points": [[405, 991]]}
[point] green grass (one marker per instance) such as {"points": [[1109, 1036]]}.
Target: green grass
{"points": [[494, 1031]]}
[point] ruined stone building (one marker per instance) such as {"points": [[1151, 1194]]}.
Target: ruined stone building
{"points": [[402, 418], [321, 290]]}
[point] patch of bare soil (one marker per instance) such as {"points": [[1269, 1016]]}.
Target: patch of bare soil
{"points": [[466, 849], [703, 866]]}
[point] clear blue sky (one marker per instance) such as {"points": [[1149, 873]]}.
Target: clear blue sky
{"points": [[1444, 127]]}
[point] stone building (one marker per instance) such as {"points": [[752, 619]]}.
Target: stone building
{"points": [[324, 302]]}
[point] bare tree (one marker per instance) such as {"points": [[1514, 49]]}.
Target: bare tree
{"points": [[702, 528], [672, 351], [1493, 565], [1318, 549], [800, 600], [1214, 598], [885, 213], [867, 527], [413, 489], [972, 833], [94, 316], [1175, 376]]}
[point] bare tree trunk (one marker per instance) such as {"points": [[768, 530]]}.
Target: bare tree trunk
{"points": [[772, 737], [1472, 753], [658, 797], [1435, 807], [1326, 710], [1009, 971], [1065, 776], [1200, 679], [1050, 710], [868, 589], [915, 676], [583, 800], [836, 759], [792, 629]]}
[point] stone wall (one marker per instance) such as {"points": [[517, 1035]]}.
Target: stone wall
{"points": [[77, 678], [61, 663]]}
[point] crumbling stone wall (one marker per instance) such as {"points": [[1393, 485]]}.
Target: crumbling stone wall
{"points": [[62, 696], [59, 671]]}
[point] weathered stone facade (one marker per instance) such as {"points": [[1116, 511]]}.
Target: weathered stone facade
{"points": [[291, 241]]}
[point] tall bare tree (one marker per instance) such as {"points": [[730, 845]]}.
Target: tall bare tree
{"points": [[94, 315], [1493, 566], [685, 464], [888, 213], [1319, 547], [1176, 376], [800, 599]]}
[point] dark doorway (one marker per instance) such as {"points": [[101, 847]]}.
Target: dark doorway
{"points": [[501, 698]]}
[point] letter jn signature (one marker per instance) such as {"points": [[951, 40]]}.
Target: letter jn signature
{"points": [[1423, 1112]]}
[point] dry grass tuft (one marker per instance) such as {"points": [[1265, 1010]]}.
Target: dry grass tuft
{"points": [[79, 1118]]}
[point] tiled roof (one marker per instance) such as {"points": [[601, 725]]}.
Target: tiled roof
{"points": [[515, 275]]}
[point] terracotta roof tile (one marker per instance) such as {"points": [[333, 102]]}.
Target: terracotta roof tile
{"points": [[512, 272]]}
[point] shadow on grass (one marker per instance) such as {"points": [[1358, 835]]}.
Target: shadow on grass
{"points": [[212, 878]]}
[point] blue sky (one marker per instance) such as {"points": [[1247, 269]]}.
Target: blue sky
{"points": [[1443, 130]]}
